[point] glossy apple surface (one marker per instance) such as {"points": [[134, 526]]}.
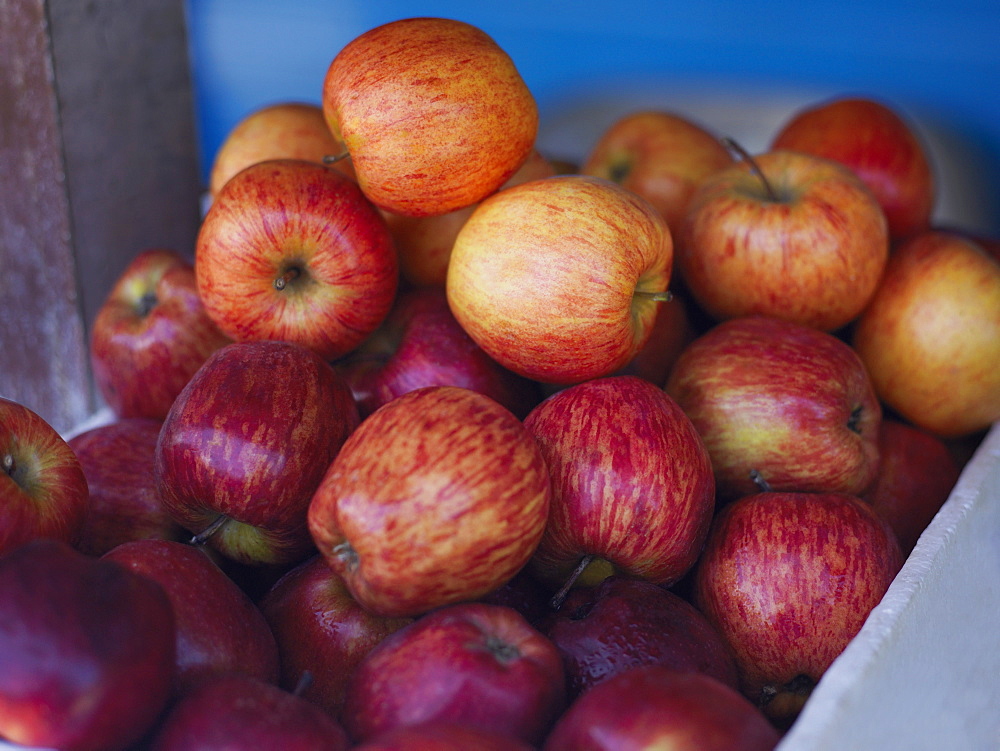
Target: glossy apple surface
{"points": [[781, 402], [439, 496], [43, 491], [433, 113], [293, 251], [809, 250], [558, 279], [931, 336], [151, 334], [246, 444]]}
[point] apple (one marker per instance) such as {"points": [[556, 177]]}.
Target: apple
{"points": [[43, 491], [559, 279], [779, 405], [676, 325], [421, 344], [88, 650], [283, 130], [622, 623], [117, 460], [424, 242], [246, 444], [783, 234], [292, 250], [917, 472], [663, 156], [241, 713], [151, 334], [442, 736], [439, 496], [434, 114], [788, 579], [474, 664], [219, 629], [874, 140], [931, 336], [321, 631], [632, 484], [653, 706]]}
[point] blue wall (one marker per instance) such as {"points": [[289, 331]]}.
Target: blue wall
{"points": [[585, 61]]}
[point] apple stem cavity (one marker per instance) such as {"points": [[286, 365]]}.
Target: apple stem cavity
{"points": [[347, 554], [664, 296], [854, 421], [560, 597], [289, 276], [733, 145], [146, 304], [503, 651], [202, 537], [759, 481], [8, 464]]}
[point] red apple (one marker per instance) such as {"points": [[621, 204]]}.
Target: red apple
{"points": [[632, 484], [219, 629], [240, 713], [654, 707], [559, 279], [662, 156], [931, 336], [151, 334], [474, 664], [292, 250], [622, 623], [779, 405], [879, 145], [246, 444], [439, 496], [421, 344], [442, 736], [433, 113], [321, 631], [117, 460], [88, 650], [917, 473], [43, 491], [284, 130], [788, 579], [794, 236]]}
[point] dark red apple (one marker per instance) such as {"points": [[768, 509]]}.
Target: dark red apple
{"points": [[475, 664], [117, 460], [443, 736], [87, 650], [219, 629]]}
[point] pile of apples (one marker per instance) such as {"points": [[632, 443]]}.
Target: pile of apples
{"points": [[438, 443]]}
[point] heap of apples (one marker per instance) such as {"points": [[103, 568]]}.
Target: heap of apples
{"points": [[438, 444]]}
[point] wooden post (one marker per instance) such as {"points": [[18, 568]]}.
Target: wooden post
{"points": [[98, 160]]}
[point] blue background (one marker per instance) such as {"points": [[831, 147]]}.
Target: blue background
{"points": [[738, 66]]}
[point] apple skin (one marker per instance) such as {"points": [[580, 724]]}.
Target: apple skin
{"points": [[439, 496], [117, 460], [476, 664], [232, 712], [917, 472], [443, 736], [632, 483], [788, 579], [249, 438], [433, 113], [813, 256], [219, 629], [556, 278], [151, 334], [662, 156], [883, 149], [930, 337], [88, 650], [421, 344], [284, 130], [322, 630], [785, 400], [653, 706], [292, 250], [43, 491], [622, 623]]}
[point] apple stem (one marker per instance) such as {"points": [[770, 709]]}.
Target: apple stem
{"points": [[560, 597], [664, 296], [202, 537], [8, 464], [743, 154], [759, 481], [291, 275], [334, 158]]}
